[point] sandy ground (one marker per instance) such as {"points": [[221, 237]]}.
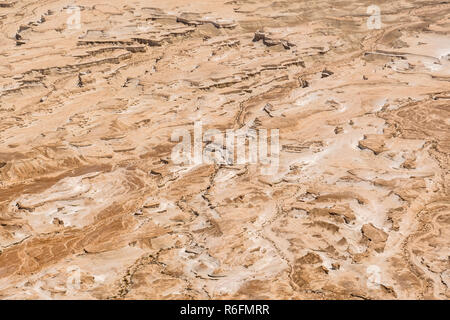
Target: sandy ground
{"points": [[93, 205]]}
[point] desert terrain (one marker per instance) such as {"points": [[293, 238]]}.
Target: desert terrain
{"points": [[93, 205]]}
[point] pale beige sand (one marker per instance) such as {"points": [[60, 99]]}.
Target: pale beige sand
{"points": [[359, 208]]}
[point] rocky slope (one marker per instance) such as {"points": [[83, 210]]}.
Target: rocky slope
{"points": [[92, 205]]}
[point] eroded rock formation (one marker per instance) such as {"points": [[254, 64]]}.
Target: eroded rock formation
{"points": [[93, 206]]}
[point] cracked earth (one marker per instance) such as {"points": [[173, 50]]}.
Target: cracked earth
{"points": [[93, 207]]}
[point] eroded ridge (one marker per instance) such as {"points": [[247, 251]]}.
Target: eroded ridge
{"points": [[93, 206]]}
